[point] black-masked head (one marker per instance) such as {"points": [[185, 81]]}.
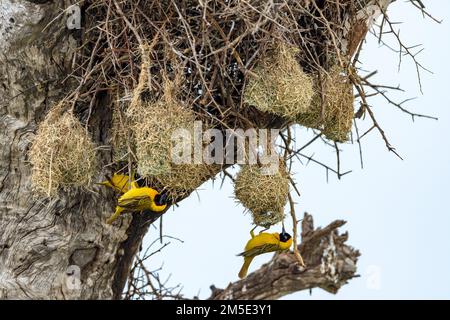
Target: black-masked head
{"points": [[161, 199], [284, 236]]}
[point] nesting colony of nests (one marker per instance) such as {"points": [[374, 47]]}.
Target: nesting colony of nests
{"points": [[234, 60], [264, 194], [239, 69], [62, 154], [332, 108], [279, 85]]}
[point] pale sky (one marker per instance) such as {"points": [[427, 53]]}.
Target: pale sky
{"points": [[397, 211]]}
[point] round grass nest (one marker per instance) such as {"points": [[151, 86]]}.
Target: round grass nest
{"points": [[279, 85], [153, 123], [152, 129], [264, 195], [62, 154], [332, 108]]}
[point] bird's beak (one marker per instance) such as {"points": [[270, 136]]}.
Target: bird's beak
{"points": [[282, 230]]}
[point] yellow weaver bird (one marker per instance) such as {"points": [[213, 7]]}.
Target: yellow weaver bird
{"points": [[120, 183], [263, 243], [139, 199]]}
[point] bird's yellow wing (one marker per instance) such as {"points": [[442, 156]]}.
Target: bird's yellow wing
{"points": [[120, 183], [138, 202], [268, 247]]}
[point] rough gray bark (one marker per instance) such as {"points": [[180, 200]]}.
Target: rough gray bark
{"points": [[330, 263], [42, 240]]}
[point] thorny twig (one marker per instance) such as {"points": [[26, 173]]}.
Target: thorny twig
{"points": [[297, 254], [144, 283]]}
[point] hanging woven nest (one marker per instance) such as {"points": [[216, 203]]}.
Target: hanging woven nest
{"points": [[153, 123], [279, 85], [62, 154], [264, 195], [153, 129], [332, 108]]}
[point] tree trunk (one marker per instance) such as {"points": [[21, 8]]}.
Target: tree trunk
{"points": [[59, 248], [47, 246]]}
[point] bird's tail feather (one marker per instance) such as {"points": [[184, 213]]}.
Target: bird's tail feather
{"points": [[115, 215], [244, 269]]}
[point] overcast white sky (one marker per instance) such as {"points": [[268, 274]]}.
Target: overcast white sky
{"points": [[397, 211]]}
